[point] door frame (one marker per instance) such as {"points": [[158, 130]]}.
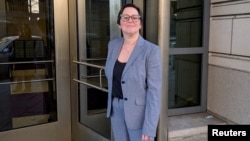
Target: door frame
{"points": [[59, 130], [79, 131], [202, 50]]}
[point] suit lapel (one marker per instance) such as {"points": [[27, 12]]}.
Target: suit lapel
{"points": [[137, 50], [115, 53]]}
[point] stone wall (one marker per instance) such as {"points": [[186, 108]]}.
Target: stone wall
{"points": [[229, 60]]}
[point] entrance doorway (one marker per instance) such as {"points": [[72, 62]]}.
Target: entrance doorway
{"points": [[96, 24], [34, 71], [82, 29]]}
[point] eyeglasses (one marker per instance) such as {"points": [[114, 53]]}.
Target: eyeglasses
{"points": [[135, 18]]}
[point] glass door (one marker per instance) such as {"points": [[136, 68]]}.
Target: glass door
{"points": [[188, 56], [34, 74], [96, 25], [188, 45]]}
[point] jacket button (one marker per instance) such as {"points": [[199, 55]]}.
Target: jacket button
{"points": [[123, 82], [125, 99]]}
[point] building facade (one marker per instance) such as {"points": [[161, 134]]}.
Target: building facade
{"points": [[228, 68]]}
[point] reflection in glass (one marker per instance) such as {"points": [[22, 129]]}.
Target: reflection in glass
{"points": [[97, 20], [33, 6], [27, 81], [184, 80], [92, 57], [186, 23]]}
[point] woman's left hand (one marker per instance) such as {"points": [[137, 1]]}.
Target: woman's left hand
{"points": [[146, 138]]}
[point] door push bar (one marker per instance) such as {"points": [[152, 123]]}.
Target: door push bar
{"points": [[101, 68]]}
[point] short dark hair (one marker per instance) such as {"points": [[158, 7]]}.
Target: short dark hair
{"points": [[125, 6]]}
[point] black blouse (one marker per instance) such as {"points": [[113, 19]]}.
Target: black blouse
{"points": [[117, 75]]}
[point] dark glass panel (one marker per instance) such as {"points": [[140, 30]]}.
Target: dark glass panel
{"points": [[27, 73], [184, 80], [186, 23]]}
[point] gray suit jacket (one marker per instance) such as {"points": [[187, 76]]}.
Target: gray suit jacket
{"points": [[141, 84]]}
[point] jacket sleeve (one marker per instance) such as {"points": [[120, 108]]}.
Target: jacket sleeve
{"points": [[153, 97]]}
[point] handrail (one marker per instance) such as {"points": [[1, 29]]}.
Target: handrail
{"points": [[27, 62], [17, 82], [91, 85], [94, 59], [89, 64], [101, 68]]}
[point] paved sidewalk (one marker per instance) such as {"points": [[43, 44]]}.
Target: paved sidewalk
{"points": [[191, 127]]}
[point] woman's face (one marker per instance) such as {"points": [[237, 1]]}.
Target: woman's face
{"points": [[130, 22]]}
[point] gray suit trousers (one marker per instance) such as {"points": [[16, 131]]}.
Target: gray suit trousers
{"points": [[119, 127]]}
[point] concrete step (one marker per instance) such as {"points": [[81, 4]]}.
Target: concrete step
{"points": [[191, 127]]}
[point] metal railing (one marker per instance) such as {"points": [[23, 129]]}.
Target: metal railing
{"points": [[101, 69], [27, 81], [26, 62]]}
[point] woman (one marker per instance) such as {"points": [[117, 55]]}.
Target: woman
{"points": [[133, 71]]}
